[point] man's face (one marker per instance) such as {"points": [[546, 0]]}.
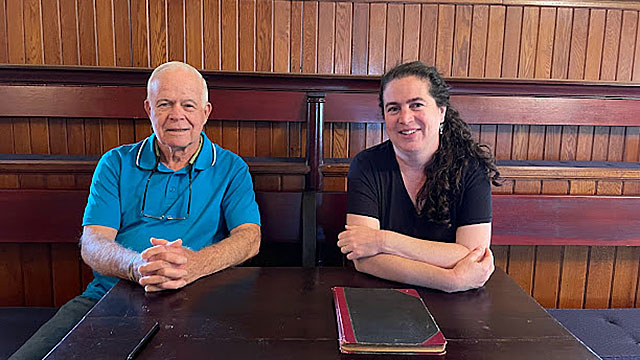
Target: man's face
{"points": [[176, 107]]}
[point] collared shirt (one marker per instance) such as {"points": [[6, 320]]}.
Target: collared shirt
{"points": [[222, 198]]}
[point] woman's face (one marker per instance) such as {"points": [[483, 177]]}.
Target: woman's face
{"points": [[411, 117]]}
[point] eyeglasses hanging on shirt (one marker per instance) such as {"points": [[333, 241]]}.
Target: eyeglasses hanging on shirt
{"points": [[164, 215]]}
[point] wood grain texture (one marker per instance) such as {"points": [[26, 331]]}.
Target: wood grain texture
{"points": [[462, 40], [175, 31], [625, 278], [521, 265], [573, 277], [157, 33], [296, 36], [495, 41], [51, 32], [627, 45], [264, 35], [547, 275], [611, 45], [36, 273], [193, 41], [394, 41], [411, 33], [211, 34], [310, 37], [511, 51], [562, 44], [229, 34], [246, 35], [32, 32], [360, 50], [428, 33], [529, 42], [478, 50], [139, 33], [342, 56], [69, 32], [599, 277], [326, 36], [104, 33], [544, 51], [377, 41], [579, 36], [444, 48], [4, 55], [594, 44], [122, 33], [281, 36]]}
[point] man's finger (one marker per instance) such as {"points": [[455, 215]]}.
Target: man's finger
{"points": [[155, 241], [171, 257]]}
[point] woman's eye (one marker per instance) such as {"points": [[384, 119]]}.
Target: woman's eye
{"points": [[416, 105]]}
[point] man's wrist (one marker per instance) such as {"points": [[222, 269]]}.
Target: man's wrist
{"points": [[131, 269]]}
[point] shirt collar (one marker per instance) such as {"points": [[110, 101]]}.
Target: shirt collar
{"points": [[204, 158]]}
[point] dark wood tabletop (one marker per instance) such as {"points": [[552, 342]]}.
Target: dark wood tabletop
{"points": [[288, 313]]}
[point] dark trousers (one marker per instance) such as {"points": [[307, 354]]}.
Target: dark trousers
{"points": [[54, 330]]}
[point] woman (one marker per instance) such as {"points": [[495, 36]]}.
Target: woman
{"points": [[419, 204]]}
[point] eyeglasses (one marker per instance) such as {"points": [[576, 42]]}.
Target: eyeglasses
{"points": [[164, 216]]}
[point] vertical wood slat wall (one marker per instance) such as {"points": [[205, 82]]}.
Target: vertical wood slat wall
{"points": [[524, 39]]}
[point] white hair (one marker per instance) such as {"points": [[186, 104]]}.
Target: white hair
{"points": [[178, 64]]}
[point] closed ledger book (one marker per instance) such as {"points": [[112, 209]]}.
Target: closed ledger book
{"points": [[386, 321]]}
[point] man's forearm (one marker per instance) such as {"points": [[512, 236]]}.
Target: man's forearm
{"points": [[104, 255], [396, 268], [242, 244]]}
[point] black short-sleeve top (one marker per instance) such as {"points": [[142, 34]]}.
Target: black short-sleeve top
{"points": [[375, 188]]}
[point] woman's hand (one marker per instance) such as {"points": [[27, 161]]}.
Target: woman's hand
{"points": [[360, 241]]}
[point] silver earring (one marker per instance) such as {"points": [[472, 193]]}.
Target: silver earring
{"points": [[441, 127]]}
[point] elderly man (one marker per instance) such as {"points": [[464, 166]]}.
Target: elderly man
{"points": [[165, 211]]}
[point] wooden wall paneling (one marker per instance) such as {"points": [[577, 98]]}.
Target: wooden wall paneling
{"points": [[281, 35], [495, 41], [462, 39], [6, 128], [616, 143], [61, 182], [578, 50], [292, 183], [573, 277], [105, 32], [555, 187], [4, 51], [126, 132], [267, 183], [373, 135], [478, 47], [521, 261], [340, 140], [357, 138], [609, 187], [36, 274], [51, 32], [142, 129], [157, 33], [213, 129], [326, 36], [279, 139], [511, 50], [93, 137], [310, 37], [295, 143], [561, 43], [360, 46], [625, 278], [110, 134], [529, 42], [39, 132], [230, 136], [627, 45], [552, 142], [582, 187], [139, 36], [544, 51], [428, 33], [599, 277], [175, 30], [75, 136], [32, 32], [595, 42], [547, 275], [611, 45], [500, 256], [123, 33], [536, 146], [303, 139], [9, 181], [475, 132], [12, 292], [229, 34], [568, 142], [394, 38], [22, 136], [32, 181], [503, 141], [65, 270], [263, 138], [488, 135], [87, 33], [632, 144], [520, 142], [69, 32], [631, 188], [584, 143], [527, 187], [377, 40], [193, 33], [246, 35], [600, 143], [264, 30], [444, 48], [15, 31], [342, 56], [411, 33], [636, 62], [247, 138], [296, 36], [327, 140], [211, 34]]}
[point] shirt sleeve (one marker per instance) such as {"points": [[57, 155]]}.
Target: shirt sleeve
{"points": [[103, 204], [475, 205], [239, 203], [362, 194]]}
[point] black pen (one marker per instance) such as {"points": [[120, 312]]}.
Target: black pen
{"points": [[144, 341]]}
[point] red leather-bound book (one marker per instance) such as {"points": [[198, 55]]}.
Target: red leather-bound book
{"points": [[374, 321]]}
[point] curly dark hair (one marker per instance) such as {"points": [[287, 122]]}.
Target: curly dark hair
{"points": [[457, 146]]}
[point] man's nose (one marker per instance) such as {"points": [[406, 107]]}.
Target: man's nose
{"points": [[176, 112], [405, 116]]}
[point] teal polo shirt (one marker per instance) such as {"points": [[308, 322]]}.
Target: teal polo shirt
{"points": [[222, 198]]}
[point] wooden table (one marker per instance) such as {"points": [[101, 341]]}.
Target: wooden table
{"points": [[288, 313]]}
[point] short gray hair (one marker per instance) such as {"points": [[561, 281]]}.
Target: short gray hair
{"points": [[178, 64]]}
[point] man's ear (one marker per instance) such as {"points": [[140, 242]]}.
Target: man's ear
{"points": [[147, 108], [208, 108]]}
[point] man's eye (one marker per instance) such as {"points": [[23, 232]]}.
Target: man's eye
{"points": [[392, 109], [162, 105]]}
